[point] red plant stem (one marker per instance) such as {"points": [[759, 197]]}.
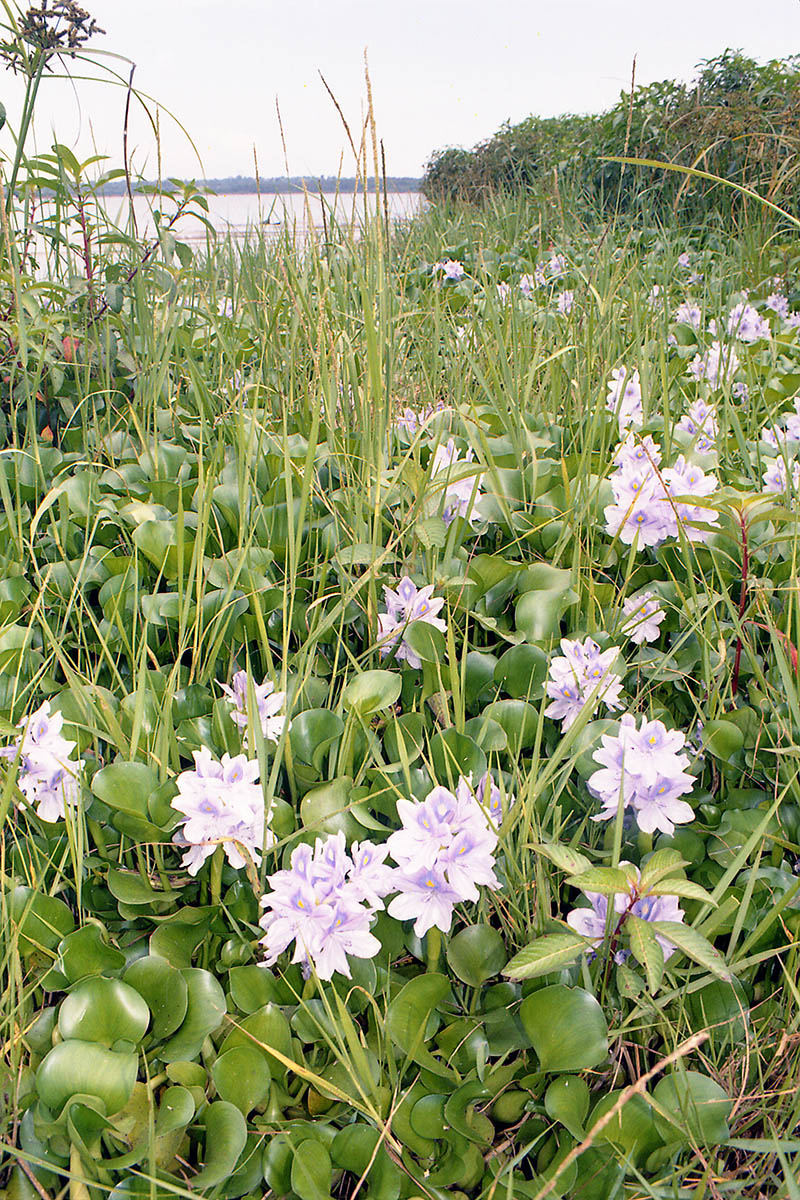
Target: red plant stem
{"points": [[87, 251], [737, 658]]}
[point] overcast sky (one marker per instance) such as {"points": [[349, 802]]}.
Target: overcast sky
{"points": [[444, 72]]}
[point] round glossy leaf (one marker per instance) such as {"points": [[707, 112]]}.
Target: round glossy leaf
{"points": [[85, 952], [264, 1030], [106, 1011], [566, 1027], [408, 1013], [518, 720], [723, 739], [74, 1068], [372, 691], [175, 1110], [455, 754], [42, 921], [312, 734], [490, 736], [404, 738], [632, 1131], [354, 1150], [567, 1101], [426, 641], [165, 991], [226, 1135], [126, 786], [699, 1106], [204, 1013], [311, 1172], [242, 1077], [479, 677], [427, 1116], [252, 987], [476, 953], [521, 672], [324, 809]]}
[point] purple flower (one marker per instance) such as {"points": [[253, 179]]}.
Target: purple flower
{"points": [[645, 615], [527, 285], [503, 292], [745, 323], [451, 268], [463, 489], [404, 605], [268, 704], [49, 777], [781, 476], [325, 903], [778, 304], [427, 899], [717, 365], [580, 672], [683, 259], [593, 922], [564, 303], [689, 313], [625, 399], [644, 770], [222, 804], [445, 852], [700, 423]]}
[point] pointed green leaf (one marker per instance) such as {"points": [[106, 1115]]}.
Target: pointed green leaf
{"points": [[546, 954], [693, 945], [645, 949]]}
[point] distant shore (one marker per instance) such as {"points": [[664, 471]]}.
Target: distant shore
{"points": [[241, 184]]}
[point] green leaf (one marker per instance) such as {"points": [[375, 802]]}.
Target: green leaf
{"points": [[42, 921], [372, 691], [567, 1028], [645, 949], [693, 945], [567, 1101], [426, 641], [76, 1068], [454, 754], [312, 734], [126, 786], [682, 887], [106, 1011], [566, 858], [252, 987], [522, 671], [408, 1013], [699, 1107], [659, 864], [311, 1171], [226, 1135], [608, 881], [632, 1131], [241, 1076], [475, 954], [324, 809], [547, 593], [85, 952], [204, 1013], [354, 1150], [518, 720], [545, 954], [164, 989]]}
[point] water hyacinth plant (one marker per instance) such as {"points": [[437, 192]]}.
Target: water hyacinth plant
{"points": [[489, 887]]}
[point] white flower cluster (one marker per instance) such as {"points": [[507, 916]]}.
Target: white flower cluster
{"points": [[49, 777], [222, 804], [643, 769]]}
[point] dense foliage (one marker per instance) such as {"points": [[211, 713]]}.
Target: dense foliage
{"points": [[398, 683], [737, 119]]}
